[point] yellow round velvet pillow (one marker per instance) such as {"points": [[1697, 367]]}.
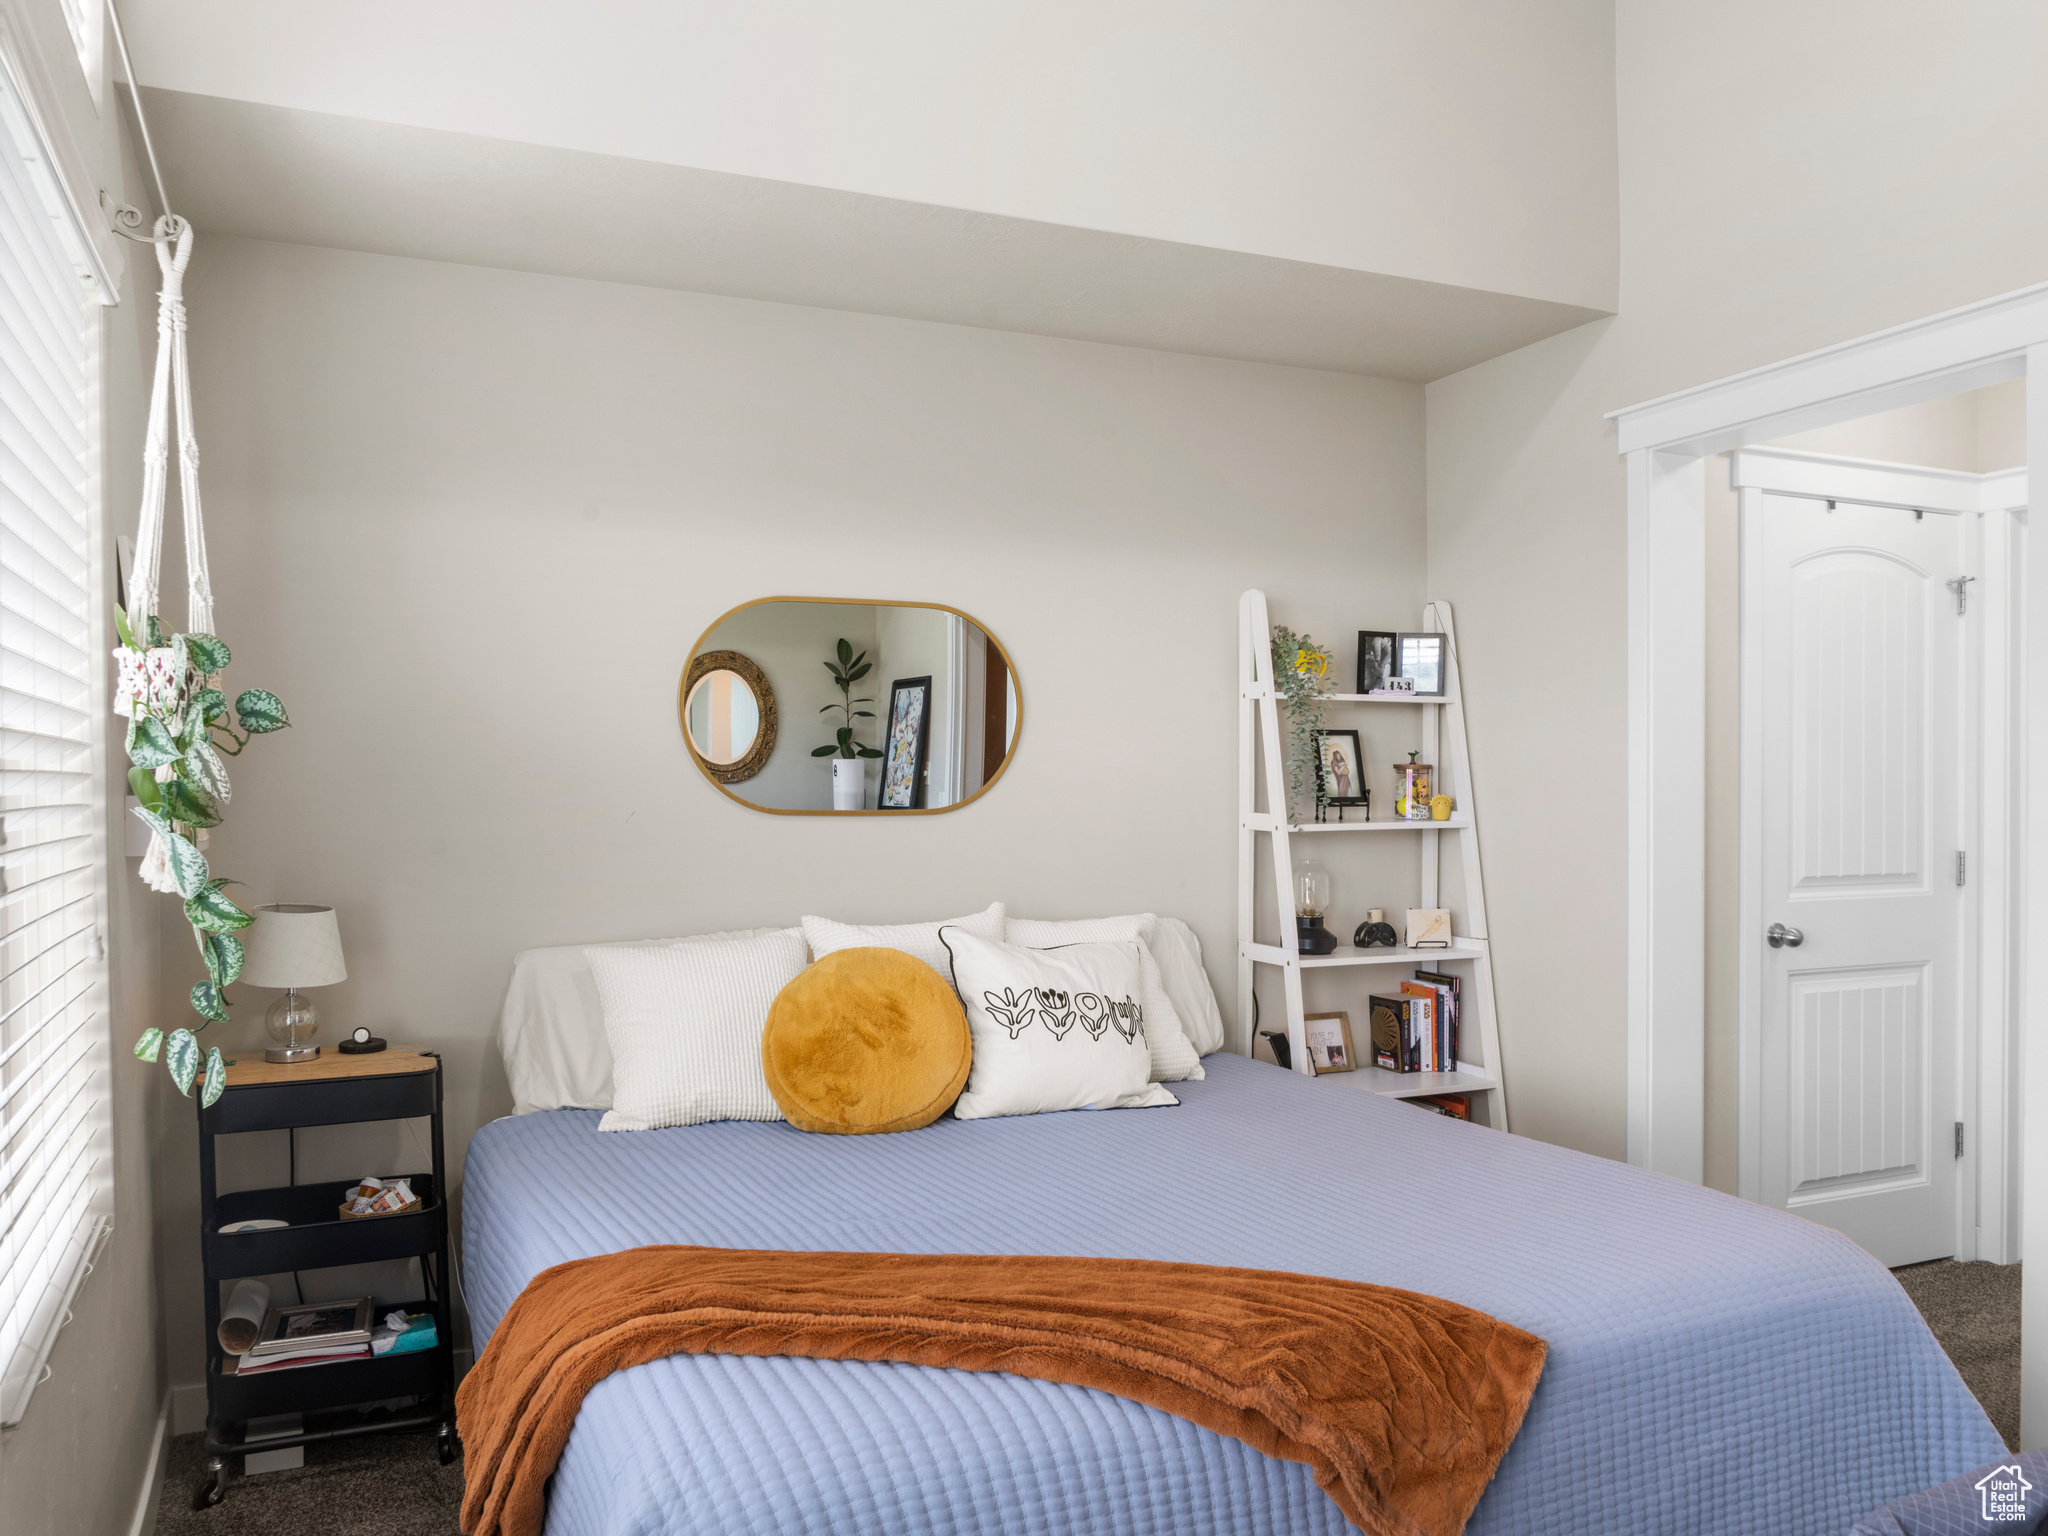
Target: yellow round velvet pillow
{"points": [[866, 1040]]}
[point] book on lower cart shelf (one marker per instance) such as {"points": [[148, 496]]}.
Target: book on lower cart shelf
{"points": [[333, 1331], [1417, 1031]]}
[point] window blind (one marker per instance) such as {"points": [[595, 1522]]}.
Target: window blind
{"points": [[53, 1025]]}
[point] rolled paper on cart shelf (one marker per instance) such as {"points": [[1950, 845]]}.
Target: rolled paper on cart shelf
{"points": [[241, 1320]]}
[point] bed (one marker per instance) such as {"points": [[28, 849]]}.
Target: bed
{"points": [[1714, 1366]]}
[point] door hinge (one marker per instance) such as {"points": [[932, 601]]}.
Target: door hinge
{"points": [[1959, 1138], [1962, 869], [1960, 585]]}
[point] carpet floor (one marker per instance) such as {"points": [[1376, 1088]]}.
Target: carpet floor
{"points": [[373, 1485], [393, 1485], [1974, 1310]]}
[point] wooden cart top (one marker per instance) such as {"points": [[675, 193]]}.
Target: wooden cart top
{"points": [[252, 1071]]}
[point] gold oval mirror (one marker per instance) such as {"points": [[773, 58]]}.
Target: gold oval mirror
{"points": [[898, 707]]}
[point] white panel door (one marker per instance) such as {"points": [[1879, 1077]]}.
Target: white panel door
{"points": [[1861, 819]]}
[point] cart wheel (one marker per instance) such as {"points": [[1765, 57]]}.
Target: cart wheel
{"points": [[447, 1444], [213, 1490]]}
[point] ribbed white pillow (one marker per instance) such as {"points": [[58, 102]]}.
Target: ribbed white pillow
{"points": [[684, 1023], [1174, 1057], [920, 939], [1053, 1028], [1179, 954]]}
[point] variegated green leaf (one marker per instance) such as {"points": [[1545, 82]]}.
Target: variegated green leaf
{"points": [[208, 653], [150, 744], [211, 912], [181, 1055], [190, 804], [204, 768], [260, 710], [157, 636], [142, 785], [188, 864], [224, 956], [149, 1045], [212, 704], [208, 1003], [216, 1078]]}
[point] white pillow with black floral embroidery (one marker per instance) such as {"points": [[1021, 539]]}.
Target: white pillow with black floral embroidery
{"points": [[1053, 1028], [1174, 1058]]}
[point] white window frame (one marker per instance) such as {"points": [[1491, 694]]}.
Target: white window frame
{"points": [[1664, 441]]}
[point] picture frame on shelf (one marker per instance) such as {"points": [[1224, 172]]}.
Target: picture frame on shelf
{"points": [[1340, 769], [1429, 928], [906, 746], [1375, 658], [1329, 1042], [1421, 657]]}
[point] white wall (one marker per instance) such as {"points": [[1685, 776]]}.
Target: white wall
{"points": [[1790, 177], [1455, 141], [469, 523]]}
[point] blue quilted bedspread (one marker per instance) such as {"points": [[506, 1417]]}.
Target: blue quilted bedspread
{"points": [[1714, 1366]]}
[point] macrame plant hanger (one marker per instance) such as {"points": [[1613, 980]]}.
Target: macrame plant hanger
{"points": [[173, 245], [173, 378], [172, 242], [179, 723]]}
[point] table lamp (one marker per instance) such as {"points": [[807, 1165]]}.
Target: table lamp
{"points": [[293, 947]]}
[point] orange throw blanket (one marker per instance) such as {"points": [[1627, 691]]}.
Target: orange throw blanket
{"points": [[1403, 1404]]}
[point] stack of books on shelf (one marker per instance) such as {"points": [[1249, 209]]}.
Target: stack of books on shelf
{"points": [[1417, 1030], [1458, 1106], [317, 1334]]}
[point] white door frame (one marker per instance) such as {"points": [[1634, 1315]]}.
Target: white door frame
{"points": [[1990, 502], [1665, 441]]}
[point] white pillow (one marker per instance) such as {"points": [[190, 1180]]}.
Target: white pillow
{"points": [[551, 1029], [1053, 1028], [684, 1023], [1174, 1058], [1179, 954], [920, 939]]}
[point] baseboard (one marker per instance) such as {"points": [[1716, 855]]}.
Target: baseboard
{"points": [[153, 1481], [188, 1408]]}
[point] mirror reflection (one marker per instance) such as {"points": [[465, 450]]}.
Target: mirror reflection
{"points": [[887, 706], [724, 716]]}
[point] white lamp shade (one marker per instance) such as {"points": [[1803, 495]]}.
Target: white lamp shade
{"points": [[293, 946]]}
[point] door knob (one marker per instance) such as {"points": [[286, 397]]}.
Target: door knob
{"points": [[1778, 936]]}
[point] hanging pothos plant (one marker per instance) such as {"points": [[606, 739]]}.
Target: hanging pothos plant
{"points": [[178, 727], [1301, 668]]}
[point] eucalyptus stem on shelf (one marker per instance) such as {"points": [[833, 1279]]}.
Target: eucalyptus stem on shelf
{"points": [[1300, 669]]}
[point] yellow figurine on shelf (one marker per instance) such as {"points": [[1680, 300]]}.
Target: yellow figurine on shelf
{"points": [[1440, 808]]}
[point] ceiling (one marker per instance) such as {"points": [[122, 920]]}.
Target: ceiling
{"points": [[310, 178]]}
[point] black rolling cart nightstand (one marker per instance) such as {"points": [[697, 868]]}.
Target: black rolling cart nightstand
{"points": [[401, 1083]]}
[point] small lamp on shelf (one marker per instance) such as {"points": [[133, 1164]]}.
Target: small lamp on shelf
{"points": [[1312, 890], [294, 947]]}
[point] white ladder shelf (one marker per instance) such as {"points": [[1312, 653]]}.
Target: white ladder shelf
{"points": [[1260, 764]]}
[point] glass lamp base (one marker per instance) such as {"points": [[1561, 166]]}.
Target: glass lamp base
{"points": [[291, 1053]]}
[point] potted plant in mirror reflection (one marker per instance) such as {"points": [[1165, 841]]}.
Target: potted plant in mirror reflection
{"points": [[849, 772]]}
